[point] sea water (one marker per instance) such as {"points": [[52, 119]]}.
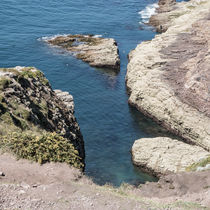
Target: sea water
{"points": [[108, 124]]}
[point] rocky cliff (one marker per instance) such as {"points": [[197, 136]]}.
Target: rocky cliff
{"points": [[38, 120], [168, 78], [169, 10]]}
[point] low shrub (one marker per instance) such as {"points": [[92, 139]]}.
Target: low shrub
{"points": [[45, 148]]}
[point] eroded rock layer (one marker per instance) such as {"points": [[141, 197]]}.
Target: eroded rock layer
{"points": [[168, 77], [162, 155], [97, 51], [169, 10]]}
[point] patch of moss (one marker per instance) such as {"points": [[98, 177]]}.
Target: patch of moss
{"points": [[45, 148], [201, 163], [30, 72], [4, 83], [43, 106], [6, 118], [191, 7], [26, 72]]}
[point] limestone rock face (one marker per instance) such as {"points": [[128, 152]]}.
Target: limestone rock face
{"points": [[168, 77], [97, 51], [27, 102], [169, 10], [165, 5], [162, 155]]}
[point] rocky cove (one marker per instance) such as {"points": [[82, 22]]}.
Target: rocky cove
{"points": [[30, 106], [164, 81]]}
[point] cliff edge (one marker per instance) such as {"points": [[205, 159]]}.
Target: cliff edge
{"points": [[35, 122], [168, 78]]}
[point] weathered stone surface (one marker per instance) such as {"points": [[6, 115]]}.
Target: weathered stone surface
{"points": [[27, 102], [161, 77], [165, 5], [162, 155], [97, 51], [169, 10], [67, 99]]}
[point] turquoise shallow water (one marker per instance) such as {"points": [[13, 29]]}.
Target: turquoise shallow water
{"points": [[108, 124]]}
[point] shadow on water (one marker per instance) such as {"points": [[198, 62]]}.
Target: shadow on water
{"points": [[147, 125]]}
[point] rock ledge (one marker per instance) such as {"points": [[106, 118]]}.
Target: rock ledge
{"points": [[97, 51]]}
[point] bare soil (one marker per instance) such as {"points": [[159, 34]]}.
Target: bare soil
{"points": [[28, 185]]}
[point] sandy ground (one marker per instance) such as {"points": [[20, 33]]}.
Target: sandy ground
{"points": [[28, 185]]}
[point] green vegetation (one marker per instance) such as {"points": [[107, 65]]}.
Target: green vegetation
{"points": [[4, 83], [45, 148], [26, 73], [24, 118], [201, 163]]}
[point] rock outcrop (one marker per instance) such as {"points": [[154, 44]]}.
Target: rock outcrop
{"points": [[67, 99], [163, 155], [97, 51], [27, 103], [169, 10], [168, 77]]}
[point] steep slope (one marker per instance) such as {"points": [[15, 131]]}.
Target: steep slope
{"points": [[31, 114]]}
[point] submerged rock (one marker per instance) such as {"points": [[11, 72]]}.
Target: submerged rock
{"points": [[162, 155], [97, 51]]}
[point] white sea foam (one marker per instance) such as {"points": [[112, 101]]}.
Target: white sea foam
{"points": [[97, 36], [148, 12], [47, 38]]}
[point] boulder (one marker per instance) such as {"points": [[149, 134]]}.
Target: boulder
{"points": [[163, 155]]}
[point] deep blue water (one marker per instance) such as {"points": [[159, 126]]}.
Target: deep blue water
{"points": [[108, 124]]}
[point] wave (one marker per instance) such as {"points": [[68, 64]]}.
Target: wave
{"points": [[97, 36], [47, 38], [148, 12]]}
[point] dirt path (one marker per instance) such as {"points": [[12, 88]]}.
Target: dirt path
{"points": [[28, 185]]}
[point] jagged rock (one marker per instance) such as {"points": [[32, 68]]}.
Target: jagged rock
{"points": [[165, 5], [169, 10], [168, 77], [97, 51], [162, 155], [67, 99], [28, 103]]}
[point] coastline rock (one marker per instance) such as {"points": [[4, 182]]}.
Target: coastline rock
{"points": [[169, 10], [163, 155], [67, 99], [170, 83], [28, 103], [98, 52], [165, 5]]}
